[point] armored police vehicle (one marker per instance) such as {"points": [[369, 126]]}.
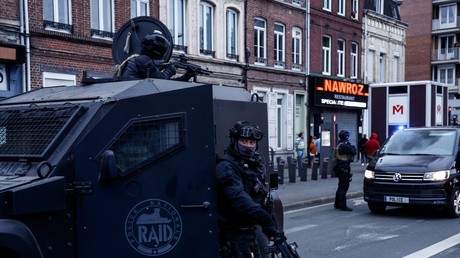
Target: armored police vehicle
{"points": [[122, 168]]}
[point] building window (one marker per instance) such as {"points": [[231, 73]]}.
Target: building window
{"points": [[206, 28], [370, 65], [58, 79], [354, 9], [341, 8], [354, 61], [447, 14], [446, 49], [327, 5], [139, 8], [102, 19], [296, 48], [259, 41], [395, 69], [57, 15], [446, 75], [326, 55], [341, 58], [379, 6], [232, 34], [382, 67], [176, 23], [279, 45]]}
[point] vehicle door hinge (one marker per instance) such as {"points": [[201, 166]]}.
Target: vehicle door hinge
{"points": [[80, 187]]}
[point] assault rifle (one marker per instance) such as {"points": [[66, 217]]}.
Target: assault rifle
{"points": [[183, 63], [282, 247]]}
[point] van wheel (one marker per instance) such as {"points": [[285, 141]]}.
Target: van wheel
{"points": [[376, 207], [453, 210]]}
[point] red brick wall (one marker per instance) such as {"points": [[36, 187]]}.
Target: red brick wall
{"points": [[324, 23], [9, 9], [418, 15], [274, 12]]}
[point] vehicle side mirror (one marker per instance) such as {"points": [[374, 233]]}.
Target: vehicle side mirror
{"points": [[273, 181], [109, 169]]}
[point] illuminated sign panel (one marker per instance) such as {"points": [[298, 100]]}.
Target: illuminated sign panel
{"points": [[335, 93]]}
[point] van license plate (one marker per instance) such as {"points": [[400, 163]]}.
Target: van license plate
{"points": [[396, 199]]}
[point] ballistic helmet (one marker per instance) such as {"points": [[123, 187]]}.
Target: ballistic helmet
{"points": [[245, 129], [155, 45], [344, 135]]}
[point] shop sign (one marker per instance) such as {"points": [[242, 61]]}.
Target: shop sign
{"points": [[343, 94]]}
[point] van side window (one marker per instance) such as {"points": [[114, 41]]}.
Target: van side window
{"points": [[148, 139]]}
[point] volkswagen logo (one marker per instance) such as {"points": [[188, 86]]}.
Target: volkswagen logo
{"points": [[397, 177]]}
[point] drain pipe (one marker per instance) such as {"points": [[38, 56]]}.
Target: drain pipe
{"points": [[25, 40]]}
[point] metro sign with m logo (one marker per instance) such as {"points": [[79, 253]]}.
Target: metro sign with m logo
{"points": [[397, 109]]}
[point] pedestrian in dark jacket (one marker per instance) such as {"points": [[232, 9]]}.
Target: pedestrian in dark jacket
{"points": [[344, 155], [371, 146], [362, 150], [242, 194]]}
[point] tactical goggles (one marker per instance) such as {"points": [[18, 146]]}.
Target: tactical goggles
{"points": [[250, 132]]}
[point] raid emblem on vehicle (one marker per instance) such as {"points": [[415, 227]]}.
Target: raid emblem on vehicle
{"points": [[397, 177], [153, 227]]}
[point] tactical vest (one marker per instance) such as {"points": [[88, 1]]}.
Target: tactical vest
{"points": [[251, 182], [337, 156]]}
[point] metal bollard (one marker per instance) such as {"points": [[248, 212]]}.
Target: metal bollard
{"points": [[299, 164], [281, 164], [314, 169], [324, 168], [291, 169], [303, 170]]}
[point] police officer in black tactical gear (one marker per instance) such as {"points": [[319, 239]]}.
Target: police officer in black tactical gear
{"points": [[243, 195], [149, 63], [344, 155]]}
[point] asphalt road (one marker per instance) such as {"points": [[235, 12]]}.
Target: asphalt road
{"points": [[322, 231]]}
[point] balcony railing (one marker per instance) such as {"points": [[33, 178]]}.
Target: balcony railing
{"points": [[180, 48], [58, 26], [436, 24], [102, 34], [233, 57], [448, 54], [208, 52]]}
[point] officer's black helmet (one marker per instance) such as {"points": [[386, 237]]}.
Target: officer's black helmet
{"points": [[245, 129], [344, 135], [155, 45]]}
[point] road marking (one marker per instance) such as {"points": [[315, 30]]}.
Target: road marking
{"points": [[436, 248], [354, 200], [292, 230]]}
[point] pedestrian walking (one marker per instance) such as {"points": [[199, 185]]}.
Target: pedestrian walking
{"points": [[312, 150], [299, 146], [362, 150], [371, 146]]}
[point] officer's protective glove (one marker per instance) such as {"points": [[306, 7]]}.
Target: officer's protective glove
{"points": [[169, 71], [270, 232]]}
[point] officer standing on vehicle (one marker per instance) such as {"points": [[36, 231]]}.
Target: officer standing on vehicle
{"points": [[243, 199], [344, 155], [150, 63]]}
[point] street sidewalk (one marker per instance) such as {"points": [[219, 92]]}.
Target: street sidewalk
{"points": [[314, 192]]}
